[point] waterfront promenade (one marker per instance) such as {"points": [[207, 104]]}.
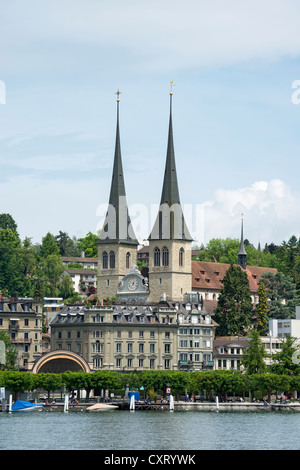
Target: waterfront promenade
{"points": [[182, 406]]}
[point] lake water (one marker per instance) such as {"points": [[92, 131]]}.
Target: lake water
{"points": [[150, 430]]}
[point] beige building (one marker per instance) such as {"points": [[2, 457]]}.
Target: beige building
{"points": [[118, 337], [22, 319]]}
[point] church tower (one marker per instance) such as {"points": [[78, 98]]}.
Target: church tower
{"points": [[170, 267], [117, 244], [242, 255]]}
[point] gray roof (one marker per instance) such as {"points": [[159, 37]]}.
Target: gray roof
{"points": [[112, 232], [176, 227]]}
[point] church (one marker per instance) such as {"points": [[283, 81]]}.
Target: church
{"points": [[171, 275], [157, 318]]}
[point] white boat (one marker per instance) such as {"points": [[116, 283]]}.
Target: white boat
{"points": [[102, 407]]}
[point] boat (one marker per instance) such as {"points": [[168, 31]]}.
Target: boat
{"points": [[102, 407], [21, 405]]}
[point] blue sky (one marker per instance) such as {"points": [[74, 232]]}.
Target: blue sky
{"points": [[236, 127]]}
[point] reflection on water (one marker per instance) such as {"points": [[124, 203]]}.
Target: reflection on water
{"points": [[150, 430]]}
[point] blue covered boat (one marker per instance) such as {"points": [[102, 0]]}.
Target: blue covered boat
{"points": [[21, 405]]}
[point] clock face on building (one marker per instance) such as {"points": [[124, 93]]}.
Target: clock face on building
{"points": [[132, 283]]}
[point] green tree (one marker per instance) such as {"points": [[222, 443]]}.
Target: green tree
{"points": [[286, 362], [66, 287], [89, 244], [7, 222], [253, 356], [47, 381], [281, 292], [234, 311], [225, 251], [52, 268], [10, 350], [48, 246], [67, 246], [9, 242], [262, 310], [17, 382]]}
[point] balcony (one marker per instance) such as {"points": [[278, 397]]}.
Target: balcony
{"points": [[21, 340], [13, 327]]}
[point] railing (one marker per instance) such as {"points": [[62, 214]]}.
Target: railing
{"points": [[21, 340]]}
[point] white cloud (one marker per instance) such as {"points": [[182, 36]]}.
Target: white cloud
{"points": [[270, 212]]}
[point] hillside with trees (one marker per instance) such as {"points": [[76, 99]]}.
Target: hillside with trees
{"points": [[35, 270]]}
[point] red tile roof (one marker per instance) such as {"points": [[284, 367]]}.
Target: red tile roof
{"points": [[209, 275]]}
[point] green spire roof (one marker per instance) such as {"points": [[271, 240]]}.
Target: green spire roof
{"points": [[117, 226]]}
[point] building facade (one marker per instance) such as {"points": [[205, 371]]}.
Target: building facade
{"points": [[22, 319], [127, 337]]}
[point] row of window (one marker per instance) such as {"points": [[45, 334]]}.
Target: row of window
{"points": [[129, 348], [184, 343], [131, 363], [161, 258], [109, 260], [99, 334], [184, 357], [230, 364], [195, 331], [15, 323]]}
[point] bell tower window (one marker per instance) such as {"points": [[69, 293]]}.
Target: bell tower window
{"points": [[181, 255], [127, 260], [112, 260], [165, 256], [104, 260], [156, 257]]}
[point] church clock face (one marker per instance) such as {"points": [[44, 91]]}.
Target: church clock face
{"points": [[132, 283]]}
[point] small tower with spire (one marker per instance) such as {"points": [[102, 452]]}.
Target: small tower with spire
{"points": [[170, 268], [242, 255], [117, 244]]}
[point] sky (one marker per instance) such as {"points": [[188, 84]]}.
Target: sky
{"points": [[236, 113]]}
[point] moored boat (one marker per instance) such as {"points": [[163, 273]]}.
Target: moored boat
{"points": [[21, 405]]}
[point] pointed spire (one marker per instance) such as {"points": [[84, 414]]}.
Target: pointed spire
{"points": [[170, 223], [170, 191], [117, 226], [242, 255]]}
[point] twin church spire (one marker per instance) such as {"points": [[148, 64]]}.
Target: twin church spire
{"points": [[170, 223]]}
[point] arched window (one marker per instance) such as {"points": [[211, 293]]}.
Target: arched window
{"points": [[165, 256], [156, 256], [104, 260], [127, 260], [112, 260], [181, 254]]}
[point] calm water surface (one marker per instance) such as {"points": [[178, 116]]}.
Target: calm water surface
{"points": [[150, 430]]}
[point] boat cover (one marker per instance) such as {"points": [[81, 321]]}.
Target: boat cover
{"points": [[21, 405]]}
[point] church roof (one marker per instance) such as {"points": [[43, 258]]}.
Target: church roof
{"points": [[242, 250], [117, 226], [170, 223], [210, 275]]}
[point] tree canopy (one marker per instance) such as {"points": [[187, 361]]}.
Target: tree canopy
{"points": [[234, 311]]}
